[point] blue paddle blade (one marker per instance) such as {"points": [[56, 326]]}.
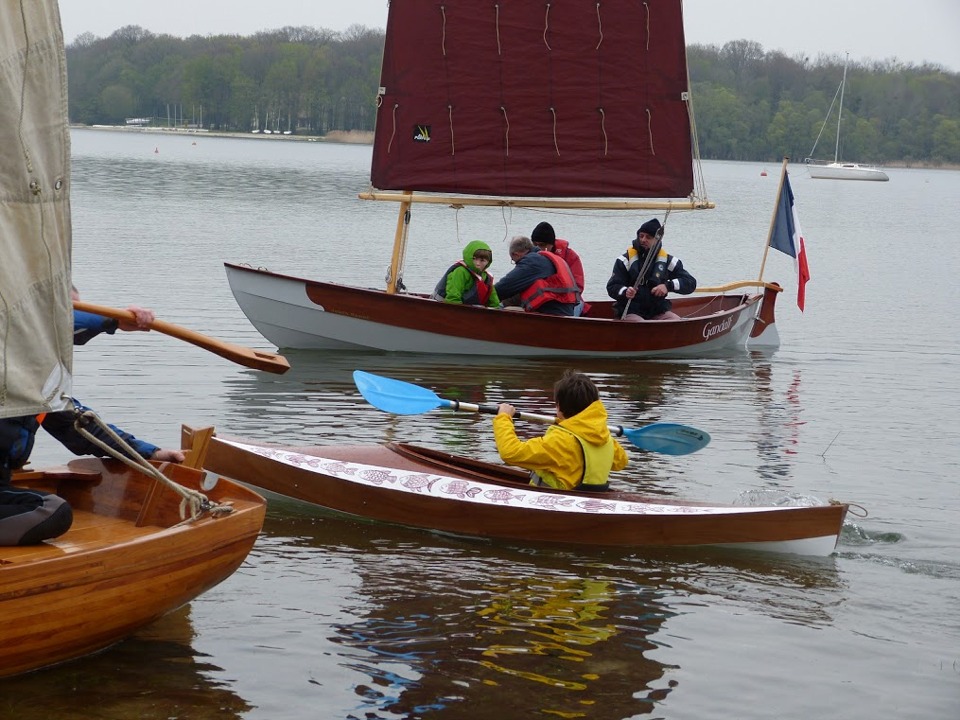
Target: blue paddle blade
{"points": [[394, 396], [668, 438]]}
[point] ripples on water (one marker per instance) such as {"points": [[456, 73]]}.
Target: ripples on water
{"points": [[372, 621]]}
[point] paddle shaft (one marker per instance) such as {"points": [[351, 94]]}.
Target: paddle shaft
{"points": [[616, 430], [404, 398], [248, 357]]}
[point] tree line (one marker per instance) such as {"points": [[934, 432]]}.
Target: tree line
{"points": [[750, 104]]}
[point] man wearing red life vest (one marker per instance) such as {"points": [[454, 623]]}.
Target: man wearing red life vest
{"points": [[541, 281], [545, 238]]}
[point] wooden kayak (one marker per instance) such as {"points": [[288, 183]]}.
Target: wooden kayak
{"points": [[127, 559], [419, 487]]}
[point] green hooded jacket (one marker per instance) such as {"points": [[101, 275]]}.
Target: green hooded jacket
{"points": [[459, 285]]}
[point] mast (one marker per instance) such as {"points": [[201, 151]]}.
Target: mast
{"points": [[843, 84]]}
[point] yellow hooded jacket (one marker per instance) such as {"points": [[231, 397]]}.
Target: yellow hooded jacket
{"points": [[557, 456]]}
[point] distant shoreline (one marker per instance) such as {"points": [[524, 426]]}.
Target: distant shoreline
{"points": [[361, 137], [353, 137]]}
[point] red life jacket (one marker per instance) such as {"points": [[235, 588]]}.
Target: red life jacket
{"points": [[560, 286], [483, 285]]}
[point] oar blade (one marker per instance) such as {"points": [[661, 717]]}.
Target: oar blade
{"points": [[395, 396], [668, 438]]}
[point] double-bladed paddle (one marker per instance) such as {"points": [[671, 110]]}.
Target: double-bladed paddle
{"points": [[401, 398], [257, 359]]}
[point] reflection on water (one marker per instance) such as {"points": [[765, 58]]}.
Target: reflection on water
{"points": [[441, 627], [156, 674], [543, 640]]}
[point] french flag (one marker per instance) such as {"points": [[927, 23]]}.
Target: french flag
{"points": [[787, 237]]}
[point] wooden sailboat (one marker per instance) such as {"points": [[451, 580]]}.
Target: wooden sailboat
{"points": [[128, 558], [573, 106], [131, 543], [840, 169]]}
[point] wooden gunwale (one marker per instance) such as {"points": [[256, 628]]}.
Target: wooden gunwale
{"points": [[309, 482], [108, 576]]}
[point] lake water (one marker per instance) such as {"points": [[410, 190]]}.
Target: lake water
{"points": [[339, 618]]}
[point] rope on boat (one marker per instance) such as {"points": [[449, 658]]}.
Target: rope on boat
{"points": [[650, 131], [860, 512], [499, 48], [453, 146], [546, 26], [647, 8], [393, 134], [556, 146], [443, 31], [603, 129], [506, 132], [195, 501], [599, 28]]}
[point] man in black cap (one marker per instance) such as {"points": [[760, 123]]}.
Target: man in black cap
{"points": [[646, 298], [545, 238]]}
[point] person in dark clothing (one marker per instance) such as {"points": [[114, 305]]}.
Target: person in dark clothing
{"points": [[87, 326], [541, 281], [18, 434], [648, 299], [31, 516], [544, 237]]}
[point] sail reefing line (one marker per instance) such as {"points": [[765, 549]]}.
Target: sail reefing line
{"points": [[546, 26]]}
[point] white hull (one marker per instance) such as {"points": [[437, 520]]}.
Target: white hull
{"points": [[279, 308], [847, 171]]}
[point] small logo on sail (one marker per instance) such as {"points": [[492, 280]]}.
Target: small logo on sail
{"points": [[421, 133]]}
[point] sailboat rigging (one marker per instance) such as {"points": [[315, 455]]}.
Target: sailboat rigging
{"points": [[840, 170]]}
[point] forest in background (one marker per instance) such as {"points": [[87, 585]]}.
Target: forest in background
{"points": [[750, 104]]}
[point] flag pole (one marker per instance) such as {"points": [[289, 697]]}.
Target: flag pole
{"points": [[773, 218]]}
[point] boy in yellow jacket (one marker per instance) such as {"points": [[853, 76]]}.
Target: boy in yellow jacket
{"points": [[576, 453]]}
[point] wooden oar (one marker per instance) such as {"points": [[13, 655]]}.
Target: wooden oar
{"points": [[396, 396], [248, 357]]}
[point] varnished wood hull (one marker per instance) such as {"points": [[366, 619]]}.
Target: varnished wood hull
{"points": [[436, 491], [125, 562], [294, 312]]}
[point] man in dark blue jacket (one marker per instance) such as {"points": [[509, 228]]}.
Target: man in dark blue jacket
{"points": [[540, 282], [646, 299]]}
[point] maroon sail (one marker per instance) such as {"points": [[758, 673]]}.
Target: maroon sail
{"points": [[519, 98]]}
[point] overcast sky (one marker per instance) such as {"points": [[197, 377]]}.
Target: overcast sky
{"points": [[913, 31]]}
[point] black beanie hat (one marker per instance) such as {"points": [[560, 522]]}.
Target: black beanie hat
{"points": [[650, 227], [543, 234]]}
